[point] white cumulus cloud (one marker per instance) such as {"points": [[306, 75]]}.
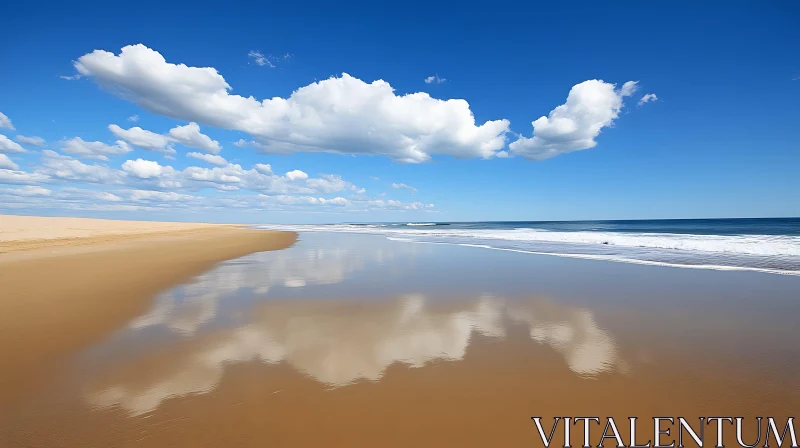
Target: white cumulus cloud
{"points": [[263, 168], [335, 201], [6, 163], [191, 136], [574, 125], [57, 166], [208, 158], [5, 122], [340, 115], [94, 150], [9, 146], [144, 139], [34, 141], [145, 169], [296, 175]]}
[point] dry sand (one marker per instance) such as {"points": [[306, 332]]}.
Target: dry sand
{"points": [[65, 282], [24, 233]]}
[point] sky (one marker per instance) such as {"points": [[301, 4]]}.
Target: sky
{"points": [[324, 112]]}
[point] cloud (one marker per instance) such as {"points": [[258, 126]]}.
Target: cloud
{"points": [[94, 150], [133, 118], [335, 201], [5, 122], [259, 59], [190, 136], [269, 60], [208, 158], [376, 178], [329, 343], [340, 115], [259, 187], [263, 168], [92, 195], [274, 192], [27, 191], [404, 186], [171, 196], [573, 126], [296, 175], [57, 166], [144, 139], [392, 204], [9, 146], [21, 177], [6, 163], [145, 169], [647, 98], [225, 175], [233, 177], [34, 141], [435, 79], [74, 77], [305, 200], [330, 183]]}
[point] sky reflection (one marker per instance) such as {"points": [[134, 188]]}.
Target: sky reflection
{"points": [[291, 311]]}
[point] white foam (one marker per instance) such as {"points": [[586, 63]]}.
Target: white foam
{"points": [[622, 259], [599, 257], [759, 245]]}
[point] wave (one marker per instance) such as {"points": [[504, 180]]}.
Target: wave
{"points": [[760, 245], [422, 224], [618, 259], [775, 254]]}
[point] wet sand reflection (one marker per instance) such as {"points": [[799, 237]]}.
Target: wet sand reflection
{"points": [[339, 343], [359, 341]]}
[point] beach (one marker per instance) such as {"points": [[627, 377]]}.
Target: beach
{"points": [[328, 225], [361, 340], [69, 281]]}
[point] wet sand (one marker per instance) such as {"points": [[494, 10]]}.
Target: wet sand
{"points": [[67, 282], [360, 341]]}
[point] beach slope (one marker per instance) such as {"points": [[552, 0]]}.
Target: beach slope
{"points": [[66, 282]]}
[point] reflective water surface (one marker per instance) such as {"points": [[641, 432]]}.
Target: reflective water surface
{"points": [[356, 340]]}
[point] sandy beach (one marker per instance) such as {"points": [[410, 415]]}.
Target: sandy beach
{"points": [[325, 225], [357, 340], [68, 281]]}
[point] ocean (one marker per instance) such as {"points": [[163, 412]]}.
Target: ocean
{"points": [[769, 245]]}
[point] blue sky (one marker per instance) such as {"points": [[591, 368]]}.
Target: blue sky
{"points": [[719, 141]]}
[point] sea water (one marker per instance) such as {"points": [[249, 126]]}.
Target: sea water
{"points": [[759, 244]]}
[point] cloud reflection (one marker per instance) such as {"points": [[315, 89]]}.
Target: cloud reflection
{"points": [[186, 308], [338, 343]]}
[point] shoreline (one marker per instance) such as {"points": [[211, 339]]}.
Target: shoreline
{"points": [[260, 349], [706, 267], [686, 258], [58, 300]]}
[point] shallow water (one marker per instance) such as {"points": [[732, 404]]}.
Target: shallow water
{"points": [[770, 245], [356, 340]]}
